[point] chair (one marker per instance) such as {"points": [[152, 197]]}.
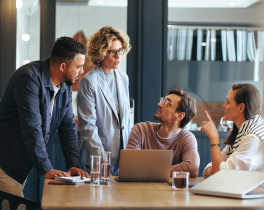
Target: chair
{"points": [[15, 201]]}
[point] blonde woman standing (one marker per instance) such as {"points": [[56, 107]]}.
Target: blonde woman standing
{"points": [[103, 98]]}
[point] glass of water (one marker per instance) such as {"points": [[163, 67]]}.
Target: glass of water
{"points": [[106, 165], [95, 171]]}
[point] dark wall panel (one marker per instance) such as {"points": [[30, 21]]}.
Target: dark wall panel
{"points": [[147, 28], [7, 41], [47, 27]]}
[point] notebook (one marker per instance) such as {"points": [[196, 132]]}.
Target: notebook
{"points": [[145, 165], [73, 179], [231, 183]]}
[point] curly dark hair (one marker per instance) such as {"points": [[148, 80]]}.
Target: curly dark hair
{"points": [[186, 105], [65, 49]]}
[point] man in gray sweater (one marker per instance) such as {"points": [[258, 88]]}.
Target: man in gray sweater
{"points": [[175, 111]]}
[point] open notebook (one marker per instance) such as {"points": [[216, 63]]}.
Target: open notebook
{"points": [[231, 183], [73, 179]]}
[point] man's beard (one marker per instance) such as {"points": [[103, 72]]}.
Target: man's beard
{"points": [[69, 82], [157, 117]]}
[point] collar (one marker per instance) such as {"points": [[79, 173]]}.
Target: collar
{"points": [[45, 76], [169, 136]]}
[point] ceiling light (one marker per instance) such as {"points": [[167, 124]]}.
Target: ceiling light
{"points": [[25, 37], [232, 4], [213, 40], [99, 2], [26, 61], [19, 4]]}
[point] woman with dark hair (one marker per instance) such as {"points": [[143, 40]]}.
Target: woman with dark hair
{"points": [[103, 98], [245, 143]]}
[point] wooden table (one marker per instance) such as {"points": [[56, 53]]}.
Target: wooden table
{"points": [[135, 195]]}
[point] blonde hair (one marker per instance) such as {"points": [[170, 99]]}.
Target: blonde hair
{"points": [[101, 41]]}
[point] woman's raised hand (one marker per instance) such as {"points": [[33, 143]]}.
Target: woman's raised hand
{"points": [[209, 128]]}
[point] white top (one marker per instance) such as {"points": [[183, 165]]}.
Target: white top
{"points": [[56, 89], [248, 156]]}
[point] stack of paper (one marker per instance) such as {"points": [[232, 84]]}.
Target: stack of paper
{"points": [[239, 45], [213, 44], [171, 43], [181, 44], [223, 40], [244, 45], [73, 179], [189, 44], [260, 46], [199, 44], [251, 46], [231, 53], [207, 47]]}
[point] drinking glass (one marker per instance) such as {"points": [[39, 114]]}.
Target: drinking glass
{"points": [[226, 124], [180, 180], [95, 171], [106, 165]]}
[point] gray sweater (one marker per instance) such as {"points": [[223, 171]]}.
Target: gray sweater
{"points": [[184, 146]]}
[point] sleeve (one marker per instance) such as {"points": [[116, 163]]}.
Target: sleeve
{"points": [[246, 157], [223, 155], [190, 158], [26, 92], [68, 137], [134, 139], [86, 109]]}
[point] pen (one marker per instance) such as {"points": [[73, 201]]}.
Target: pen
{"points": [[81, 177]]}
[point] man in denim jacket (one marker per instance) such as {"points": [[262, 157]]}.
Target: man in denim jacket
{"points": [[36, 103]]}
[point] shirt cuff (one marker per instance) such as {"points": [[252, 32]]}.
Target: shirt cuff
{"points": [[44, 167], [208, 165]]}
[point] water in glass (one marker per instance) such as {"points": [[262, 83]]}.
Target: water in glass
{"points": [[95, 179]]}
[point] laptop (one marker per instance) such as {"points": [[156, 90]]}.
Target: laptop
{"points": [[231, 183], [145, 165]]}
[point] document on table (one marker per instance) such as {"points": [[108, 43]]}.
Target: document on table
{"points": [[73, 179]]}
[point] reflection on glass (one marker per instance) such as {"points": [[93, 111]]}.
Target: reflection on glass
{"points": [[28, 31], [226, 124], [206, 58]]}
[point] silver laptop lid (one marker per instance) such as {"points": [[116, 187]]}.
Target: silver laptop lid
{"points": [[231, 183], [145, 165]]}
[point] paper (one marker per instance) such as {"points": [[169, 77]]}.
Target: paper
{"points": [[207, 47], [73, 179], [224, 42], [189, 44], [199, 44]]}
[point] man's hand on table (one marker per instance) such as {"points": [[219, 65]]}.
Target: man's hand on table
{"points": [[55, 173], [77, 171]]}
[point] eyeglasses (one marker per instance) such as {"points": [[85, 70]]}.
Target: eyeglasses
{"points": [[113, 53], [166, 101]]}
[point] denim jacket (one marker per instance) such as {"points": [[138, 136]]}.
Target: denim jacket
{"points": [[27, 126]]}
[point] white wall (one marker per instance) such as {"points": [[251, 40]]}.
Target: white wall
{"points": [[251, 15]]}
